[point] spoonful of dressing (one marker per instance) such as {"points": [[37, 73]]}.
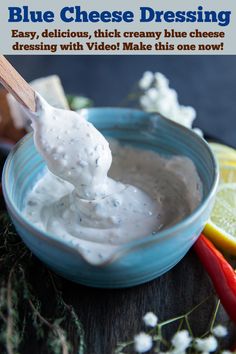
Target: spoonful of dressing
{"points": [[72, 148]]}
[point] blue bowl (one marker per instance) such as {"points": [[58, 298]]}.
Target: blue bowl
{"points": [[138, 261]]}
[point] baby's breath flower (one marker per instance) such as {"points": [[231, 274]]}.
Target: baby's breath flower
{"points": [[220, 331], [198, 131], [208, 344], [146, 80], [160, 80], [152, 93], [158, 97], [150, 319], [181, 340], [142, 342]]}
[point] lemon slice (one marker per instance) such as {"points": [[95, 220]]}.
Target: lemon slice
{"points": [[224, 154], [228, 174], [226, 157], [221, 150], [221, 228]]}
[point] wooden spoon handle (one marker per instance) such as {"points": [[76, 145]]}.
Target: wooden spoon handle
{"points": [[16, 85]]}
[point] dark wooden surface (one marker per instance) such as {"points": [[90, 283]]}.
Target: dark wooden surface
{"points": [[110, 316]]}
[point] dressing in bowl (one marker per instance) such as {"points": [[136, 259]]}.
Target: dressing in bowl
{"points": [[139, 256]]}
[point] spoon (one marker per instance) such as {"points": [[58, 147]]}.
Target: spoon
{"points": [[16, 85], [58, 148]]}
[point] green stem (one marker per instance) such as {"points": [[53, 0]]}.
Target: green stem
{"points": [[180, 325], [56, 329], [214, 315], [159, 336], [198, 305], [4, 319], [70, 309], [189, 327], [122, 346], [186, 314], [10, 322], [164, 323]]}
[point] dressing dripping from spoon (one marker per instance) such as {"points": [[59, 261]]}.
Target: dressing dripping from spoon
{"points": [[73, 148]]}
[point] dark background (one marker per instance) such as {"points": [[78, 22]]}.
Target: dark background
{"points": [[208, 83]]}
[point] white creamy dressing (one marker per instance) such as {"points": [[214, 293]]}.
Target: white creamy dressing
{"points": [[75, 199]]}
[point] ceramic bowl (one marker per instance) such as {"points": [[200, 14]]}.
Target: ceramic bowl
{"points": [[138, 261]]}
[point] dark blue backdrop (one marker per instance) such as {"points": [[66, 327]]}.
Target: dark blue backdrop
{"points": [[208, 83]]}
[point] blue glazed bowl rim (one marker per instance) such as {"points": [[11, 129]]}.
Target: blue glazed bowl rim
{"points": [[129, 246]]}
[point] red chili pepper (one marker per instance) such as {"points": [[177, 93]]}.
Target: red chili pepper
{"points": [[221, 273]]}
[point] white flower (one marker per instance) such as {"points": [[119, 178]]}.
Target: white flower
{"points": [[159, 97], [152, 93], [226, 352], [150, 319], [144, 101], [220, 331], [188, 112], [146, 80], [208, 344], [181, 340], [198, 132], [142, 342], [160, 80]]}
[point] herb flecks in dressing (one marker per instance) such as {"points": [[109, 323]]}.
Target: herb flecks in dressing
{"points": [[76, 200]]}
